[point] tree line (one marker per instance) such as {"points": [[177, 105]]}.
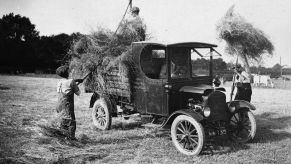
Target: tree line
{"points": [[23, 50]]}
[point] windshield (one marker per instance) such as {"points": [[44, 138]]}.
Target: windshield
{"points": [[200, 61], [189, 62], [180, 65]]}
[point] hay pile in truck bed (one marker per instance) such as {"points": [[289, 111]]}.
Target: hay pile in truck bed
{"points": [[108, 56]]}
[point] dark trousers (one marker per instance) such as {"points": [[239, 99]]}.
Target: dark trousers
{"points": [[244, 92], [69, 125]]}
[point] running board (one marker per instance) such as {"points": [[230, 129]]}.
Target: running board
{"points": [[152, 125]]}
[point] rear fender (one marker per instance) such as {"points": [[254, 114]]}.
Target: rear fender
{"points": [[113, 108], [94, 98], [198, 117], [236, 105]]}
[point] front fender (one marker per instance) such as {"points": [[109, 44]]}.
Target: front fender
{"points": [[198, 117], [235, 105]]}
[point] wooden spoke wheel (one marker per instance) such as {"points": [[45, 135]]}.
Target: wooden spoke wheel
{"points": [[187, 135], [101, 114], [242, 126]]}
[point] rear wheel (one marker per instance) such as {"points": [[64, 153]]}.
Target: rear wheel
{"points": [[242, 126], [101, 114], [187, 135]]}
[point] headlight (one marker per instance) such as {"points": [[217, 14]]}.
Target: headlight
{"points": [[206, 111], [231, 109]]}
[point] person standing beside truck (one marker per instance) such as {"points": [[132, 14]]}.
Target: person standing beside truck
{"points": [[66, 89], [243, 84]]}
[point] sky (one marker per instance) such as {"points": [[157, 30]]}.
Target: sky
{"points": [[166, 20]]}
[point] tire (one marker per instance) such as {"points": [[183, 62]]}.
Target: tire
{"points": [[242, 126], [187, 135], [101, 114]]}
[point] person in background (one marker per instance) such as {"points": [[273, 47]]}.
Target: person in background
{"points": [[66, 89], [216, 81], [137, 23], [180, 72], [134, 21], [243, 84]]}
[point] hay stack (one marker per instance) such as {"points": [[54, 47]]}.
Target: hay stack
{"points": [[108, 56], [242, 38]]}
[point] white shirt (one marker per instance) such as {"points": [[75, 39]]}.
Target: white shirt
{"points": [[244, 77], [68, 86]]}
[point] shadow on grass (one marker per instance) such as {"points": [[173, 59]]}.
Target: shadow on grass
{"points": [[222, 145], [4, 87], [270, 127]]}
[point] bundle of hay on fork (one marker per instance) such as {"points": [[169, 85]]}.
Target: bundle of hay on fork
{"points": [[243, 39]]}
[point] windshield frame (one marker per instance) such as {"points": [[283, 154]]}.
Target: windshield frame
{"points": [[191, 50]]}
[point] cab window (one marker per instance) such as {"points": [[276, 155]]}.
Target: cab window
{"points": [[180, 63], [153, 62]]}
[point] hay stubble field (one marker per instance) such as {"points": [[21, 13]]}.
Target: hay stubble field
{"points": [[28, 101]]}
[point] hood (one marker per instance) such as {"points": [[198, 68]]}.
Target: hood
{"points": [[200, 89]]}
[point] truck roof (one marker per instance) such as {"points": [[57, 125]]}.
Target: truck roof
{"points": [[179, 44]]}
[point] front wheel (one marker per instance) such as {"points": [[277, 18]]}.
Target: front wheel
{"points": [[101, 114], [187, 135], [242, 126]]}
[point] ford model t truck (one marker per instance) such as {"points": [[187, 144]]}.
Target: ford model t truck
{"points": [[170, 83]]}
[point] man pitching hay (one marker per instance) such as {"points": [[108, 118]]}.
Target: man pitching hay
{"points": [[66, 88], [245, 42], [133, 23], [243, 84], [137, 23]]}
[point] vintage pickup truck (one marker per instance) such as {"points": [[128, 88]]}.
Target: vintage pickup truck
{"points": [[169, 83]]}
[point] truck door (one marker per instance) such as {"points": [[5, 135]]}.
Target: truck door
{"points": [[155, 97], [153, 66]]}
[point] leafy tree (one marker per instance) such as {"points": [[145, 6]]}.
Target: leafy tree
{"points": [[219, 64], [202, 63], [17, 37], [17, 27], [51, 51], [22, 49], [277, 68]]}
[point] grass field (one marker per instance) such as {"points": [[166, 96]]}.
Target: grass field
{"points": [[28, 101]]}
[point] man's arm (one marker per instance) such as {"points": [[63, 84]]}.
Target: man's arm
{"points": [[241, 76], [247, 76]]}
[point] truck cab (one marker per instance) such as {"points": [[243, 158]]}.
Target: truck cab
{"points": [[166, 70]]}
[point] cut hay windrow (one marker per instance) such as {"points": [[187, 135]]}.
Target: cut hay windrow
{"points": [[108, 57]]}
